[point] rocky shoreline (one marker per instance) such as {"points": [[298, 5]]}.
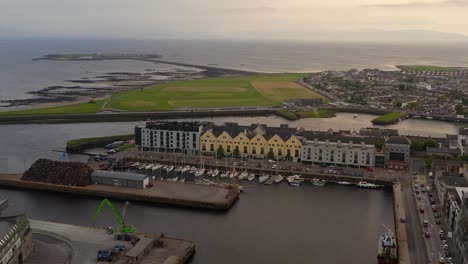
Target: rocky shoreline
{"points": [[103, 85]]}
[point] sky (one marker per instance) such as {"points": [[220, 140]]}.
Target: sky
{"points": [[218, 18]]}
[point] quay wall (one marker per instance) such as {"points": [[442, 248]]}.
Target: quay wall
{"points": [[400, 228], [224, 203]]}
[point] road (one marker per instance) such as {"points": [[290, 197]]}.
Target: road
{"points": [[416, 245]]}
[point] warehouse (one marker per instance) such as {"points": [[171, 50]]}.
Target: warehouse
{"points": [[130, 180]]}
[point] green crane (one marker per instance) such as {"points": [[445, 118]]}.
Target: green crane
{"points": [[123, 228]]}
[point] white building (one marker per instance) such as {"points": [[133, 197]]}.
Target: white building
{"points": [[181, 137], [458, 220], [338, 150], [463, 140]]}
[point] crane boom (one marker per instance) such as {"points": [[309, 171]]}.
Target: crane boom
{"points": [[123, 227]]}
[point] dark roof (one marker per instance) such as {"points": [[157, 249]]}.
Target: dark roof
{"points": [[401, 140], [378, 132], [176, 126], [463, 131], [451, 137], [455, 181], [119, 175], [442, 150], [335, 137]]}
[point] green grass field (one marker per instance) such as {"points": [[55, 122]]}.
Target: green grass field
{"points": [[431, 68], [261, 90], [389, 118], [83, 108]]}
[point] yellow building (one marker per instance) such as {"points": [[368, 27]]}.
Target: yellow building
{"points": [[254, 141]]}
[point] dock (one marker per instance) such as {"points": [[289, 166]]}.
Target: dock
{"points": [[168, 193], [86, 241]]}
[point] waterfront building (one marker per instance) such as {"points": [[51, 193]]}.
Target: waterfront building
{"points": [[397, 152], [338, 149], [183, 137], [458, 220], [254, 141], [463, 140], [15, 238]]}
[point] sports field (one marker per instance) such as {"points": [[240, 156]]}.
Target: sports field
{"points": [[81, 108], [260, 90]]}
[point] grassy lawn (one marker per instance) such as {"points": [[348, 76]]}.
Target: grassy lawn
{"points": [[389, 118], [431, 68], [82, 108], [124, 147], [261, 90], [80, 141]]}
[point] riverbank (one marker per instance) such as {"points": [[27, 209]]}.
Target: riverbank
{"points": [[166, 193]]}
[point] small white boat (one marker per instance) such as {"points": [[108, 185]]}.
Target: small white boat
{"points": [[355, 115], [209, 173], [215, 173], [251, 177], [243, 175], [185, 169], [295, 183], [263, 178], [293, 178], [225, 174], [164, 168], [142, 166], [135, 165], [199, 172], [149, 166], [318, 182], [182, 180], [366, 185], [170, 168], [157, 167], [233, 174], [344, 183], [178, 169], [278, 178]]}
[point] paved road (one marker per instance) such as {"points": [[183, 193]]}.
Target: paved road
{"points": [[413, 230]]}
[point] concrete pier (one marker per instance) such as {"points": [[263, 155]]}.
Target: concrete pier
{"points": [[86, 241], [182, 194], [400, 228]]}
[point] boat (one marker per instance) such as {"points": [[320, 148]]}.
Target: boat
{"points": [[209, 173], [225, 174], [149, 166], [199, 172], [157, 167], [178, 169], [243, 175], [355, 115], [185, 169], [263, 178], [344, 183], [295, 183], [164, 168], [135, 165], [278, 178], [366, 185], [233, 174], [251, 177], [170, 168], [293, 178], [142, 166], [387, 249], [215, 173], [318, 182], [182, 180]]}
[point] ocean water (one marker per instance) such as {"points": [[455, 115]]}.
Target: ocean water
{"points": [[19, 74]]}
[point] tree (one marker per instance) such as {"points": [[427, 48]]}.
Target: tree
{"points": [[428, 164], [464, 157], [442, 99], [270, 154], [398, 104], [220, 151], [236, 153], [401, 86], [460, 109], [379, 145]]}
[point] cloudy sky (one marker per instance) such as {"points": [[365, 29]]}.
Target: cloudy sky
{"points": [[240, 18]]}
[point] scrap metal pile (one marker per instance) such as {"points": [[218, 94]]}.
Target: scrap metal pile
{"points": [[59, 172]]}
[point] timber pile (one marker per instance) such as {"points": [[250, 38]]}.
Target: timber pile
{"points": [[59, 172]]}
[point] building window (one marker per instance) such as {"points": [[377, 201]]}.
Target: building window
{"points": [[245, 149], [211, 147], [228, 148], [280, 152], [203, 147], [262, 151]]}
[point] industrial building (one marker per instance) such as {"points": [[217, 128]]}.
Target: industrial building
{"points": [[121, 179], [15, 237]]}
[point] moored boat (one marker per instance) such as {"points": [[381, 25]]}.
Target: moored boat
{"points": [[225, 174], [149, 166], [318, 182], [157, 167], [215, 173], [243, 175], [263, 178], [251, 177], [278, 178], [366, 185], [199, 172], [295, 183], [233, 174], [344, 183], [387, 249]]}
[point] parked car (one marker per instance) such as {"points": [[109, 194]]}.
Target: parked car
{"points": [[427, 234], [438, 222], [421, 210], [425, 223]]}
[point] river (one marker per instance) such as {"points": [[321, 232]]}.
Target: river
{"points": [[269, 224]]}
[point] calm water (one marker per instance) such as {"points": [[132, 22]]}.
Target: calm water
{"points": [[269, 224], [20, 74]]}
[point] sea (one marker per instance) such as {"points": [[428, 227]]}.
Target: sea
{"points": [[19, 74]]}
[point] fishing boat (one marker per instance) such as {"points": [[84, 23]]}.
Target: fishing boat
{"points": [[318, 182], [387, 249], [278, 178], [251, 177], [215, 173], [149, 166], [243, 175], [263, 178], [199, 172], [366, 185], [344, 183]]}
